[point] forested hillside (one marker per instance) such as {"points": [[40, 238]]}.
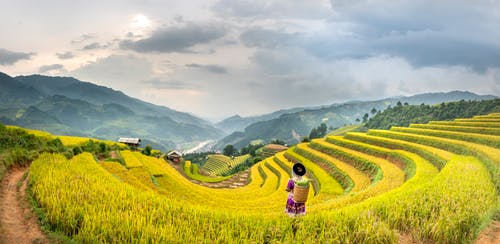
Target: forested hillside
{"points": [[67, 106], [404, 115], [291, 127]]}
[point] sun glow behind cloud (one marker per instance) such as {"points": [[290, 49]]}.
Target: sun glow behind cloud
{"points": [[141, 21]]}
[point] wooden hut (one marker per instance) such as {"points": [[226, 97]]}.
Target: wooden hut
{"points": [[132, 142], [174, 156]]}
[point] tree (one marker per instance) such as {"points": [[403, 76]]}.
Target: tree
{"points": [[357, 120], [322, 129], [403, 116], [365, 118], [374, 111], [406, 104], [250, 149], [399, 104], [229, 150], [319, 131], [102, 147], [305, 139], [77, 150], [277, 141], [147, 150], [313, 134]]}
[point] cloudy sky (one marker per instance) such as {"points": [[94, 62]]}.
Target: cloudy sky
{"points": [[225, 57]]}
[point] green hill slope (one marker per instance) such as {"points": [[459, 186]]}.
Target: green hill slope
{"points": [[64, 105], [291, 126]]}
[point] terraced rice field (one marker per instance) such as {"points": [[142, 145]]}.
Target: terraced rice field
{"points": [[218, 164], [192, 171], [67, 140], [437, 182], [270, 149]]}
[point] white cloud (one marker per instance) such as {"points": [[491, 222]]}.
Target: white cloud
{"points": [[218, 58]]}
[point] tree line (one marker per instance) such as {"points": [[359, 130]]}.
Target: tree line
{"points": [[404, 114]]}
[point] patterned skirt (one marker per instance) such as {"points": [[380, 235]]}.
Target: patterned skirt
{"points": [[293, 208]]}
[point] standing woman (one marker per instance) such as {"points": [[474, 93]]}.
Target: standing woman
{"points": [[293, 207]]}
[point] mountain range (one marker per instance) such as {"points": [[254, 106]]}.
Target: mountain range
{"points": [[67, 106], [238, 123], [291, 126]]}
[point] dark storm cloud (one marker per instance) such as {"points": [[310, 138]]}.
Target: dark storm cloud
{"points": [[425, 48], [425, 33], [66, 55], [210, 68], [176, 38], [9, 57], [51, 67]]}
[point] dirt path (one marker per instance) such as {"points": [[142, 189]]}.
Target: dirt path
{"points": [[113, 154], [18, 224], [490, 235]]}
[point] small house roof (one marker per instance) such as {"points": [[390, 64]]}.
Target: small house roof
{"points": [[173, 152], [129, 140]]}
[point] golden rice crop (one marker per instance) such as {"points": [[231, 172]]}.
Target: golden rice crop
{"points": [[436, 156], [191, 171], [31, 131], [392, 177], [131, 161], [66, 140], [93, 206], [328, 184], [488, 119], [76, 141], [218, 164], [417, 167], [152, 202], [489, 140], [469, 129], [352, 178], [470, 124], [492, 116], [488, 155], [122, 174]]}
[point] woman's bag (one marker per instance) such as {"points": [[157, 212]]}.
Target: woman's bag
{"points": [[300, 193]]}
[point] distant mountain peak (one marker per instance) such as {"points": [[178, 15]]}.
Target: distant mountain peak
{"points": [[336, 115], [65, 105], [234, 117]]}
